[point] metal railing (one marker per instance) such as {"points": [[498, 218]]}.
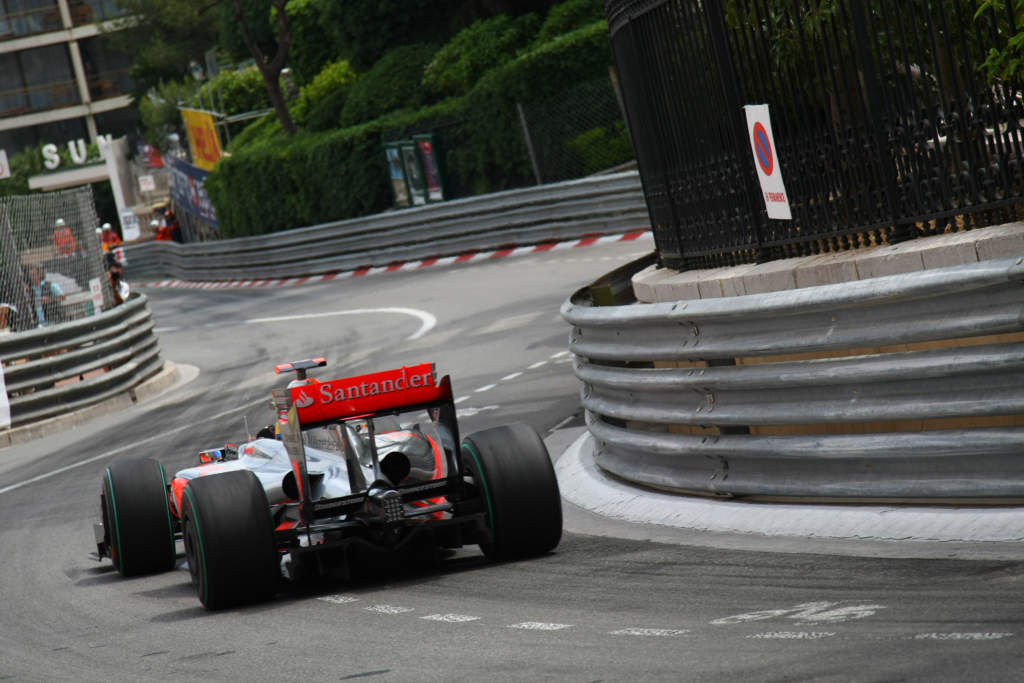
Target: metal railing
{"points": [[595, 205], [53, 370], [885, 125], [901, 387]]}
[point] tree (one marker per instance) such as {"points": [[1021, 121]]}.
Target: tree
{"points": [[270, 67], [163, 37]]}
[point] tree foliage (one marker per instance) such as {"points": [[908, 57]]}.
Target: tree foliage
{"points": [[163, 37], [364, 30], [1005, 62], [483, 45]]}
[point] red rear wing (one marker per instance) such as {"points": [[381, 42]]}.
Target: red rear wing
{"points": [[377, 392]]}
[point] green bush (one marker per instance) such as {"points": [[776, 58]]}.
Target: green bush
{"points": [[311, 46], [393, 83], [482, 46], [241, 91], [321, 101], [276, 182], [602, 147], [568, 17]]}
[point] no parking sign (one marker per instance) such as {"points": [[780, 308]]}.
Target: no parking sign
{"points": [[762, 145]]}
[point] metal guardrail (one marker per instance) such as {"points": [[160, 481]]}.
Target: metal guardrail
{"points": [[595, 205], [743, 417], [41, 366]]}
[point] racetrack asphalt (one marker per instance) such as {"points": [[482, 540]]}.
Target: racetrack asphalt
{"points": [[601, 505]]}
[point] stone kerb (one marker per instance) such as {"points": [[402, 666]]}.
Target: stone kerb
{"points": [[653, 285]]}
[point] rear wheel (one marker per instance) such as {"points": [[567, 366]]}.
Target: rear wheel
{"points": [[229, 539], [137, 518], [513, 473]]}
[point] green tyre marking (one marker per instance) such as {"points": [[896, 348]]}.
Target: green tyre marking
{"points": [[202, 548], [117, 528], [167, 508], [483, 480]]}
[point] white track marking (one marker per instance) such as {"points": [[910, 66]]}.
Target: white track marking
{"points": [[510, 377], [539, 626], [793, 635], [338, 599], [388, 609], [428, 321], [962, 636], [806, 613], [653, 632], [470, 412], [486, 387], [132, 446], [450, 618], [559, 354], [460, 399], [538, 364]]}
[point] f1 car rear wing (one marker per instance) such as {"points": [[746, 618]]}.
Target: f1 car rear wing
{"points": [[310, 403]]}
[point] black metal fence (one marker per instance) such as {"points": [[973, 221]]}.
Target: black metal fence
{"points": [[885, 125]]}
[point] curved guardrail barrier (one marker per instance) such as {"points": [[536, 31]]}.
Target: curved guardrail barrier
{"points": [[594, 205], [901, 387], [53, 370]]}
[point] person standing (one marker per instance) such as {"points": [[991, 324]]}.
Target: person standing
{"points": [[108, 238], [46, 297]]}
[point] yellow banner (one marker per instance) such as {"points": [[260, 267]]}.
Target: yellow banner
{"points": [[202, 138]]}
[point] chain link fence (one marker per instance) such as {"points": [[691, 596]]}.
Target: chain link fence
{"points": [[576, 133], [53, 264]]}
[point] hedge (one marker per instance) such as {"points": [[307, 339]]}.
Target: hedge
{"points": [[317, 177]]}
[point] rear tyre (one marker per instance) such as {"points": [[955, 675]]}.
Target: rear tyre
{"points": [[513, 473], [137, 517], [229, 539]]}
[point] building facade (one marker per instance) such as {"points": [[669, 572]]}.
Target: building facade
{"points": [[59, 80]]}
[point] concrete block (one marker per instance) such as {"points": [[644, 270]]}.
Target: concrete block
{"points": [[826, 269], [645, 282], [732, 280], [773, 276], [681, 287], [952, 249], [1000, 241], [891, 259]]}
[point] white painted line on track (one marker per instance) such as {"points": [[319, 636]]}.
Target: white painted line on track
{"points": [[653, 632], [486, 387], [962, 636], [132, 446], [460, 399], [538, 364], [338, 599], [793, 635], [559, 354], [450, 618], [539, 626], [512, 376], [428, 321], [388, 609]]}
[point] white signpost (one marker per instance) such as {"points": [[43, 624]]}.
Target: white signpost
{"points": [[762, 145], [130, 225], [5, 167]]}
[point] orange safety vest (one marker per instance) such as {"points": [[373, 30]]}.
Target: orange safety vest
{"points": [[64, 241]]}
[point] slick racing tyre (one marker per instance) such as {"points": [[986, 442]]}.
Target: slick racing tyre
{"points": [[229, 539], [137, 518], [516, 481]]}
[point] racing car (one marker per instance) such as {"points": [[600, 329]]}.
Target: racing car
{"points": [[353, 469]]}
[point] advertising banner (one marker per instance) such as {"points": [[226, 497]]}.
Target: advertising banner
{"points": [[202, 138], [187, 190]]}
